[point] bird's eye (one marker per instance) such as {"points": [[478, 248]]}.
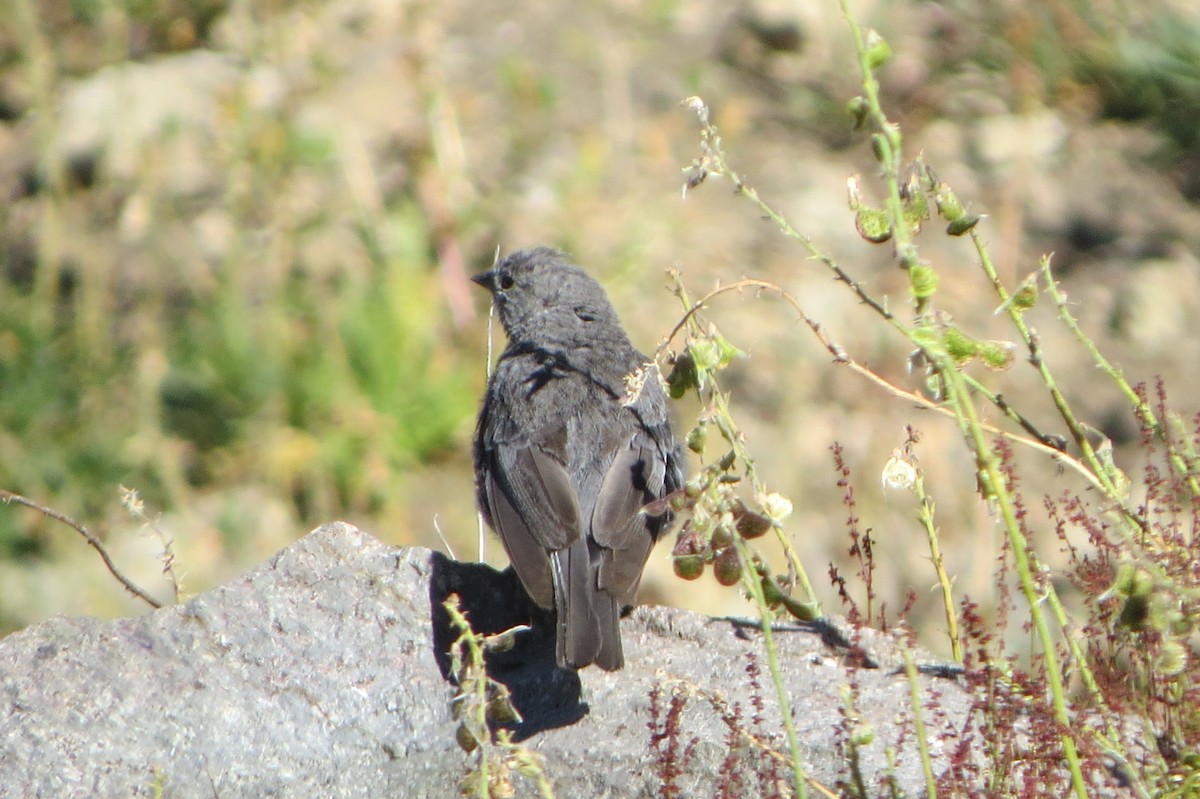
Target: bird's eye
{"points": [[585, 314], [506, 282]]}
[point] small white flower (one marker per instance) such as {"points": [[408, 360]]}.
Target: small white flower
{"points": [[776, 506], [899, 473]]}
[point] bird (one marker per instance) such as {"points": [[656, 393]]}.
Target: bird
{"points": [[573, 451]]}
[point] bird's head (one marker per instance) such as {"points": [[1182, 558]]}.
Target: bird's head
{"points": [[543, 299]]}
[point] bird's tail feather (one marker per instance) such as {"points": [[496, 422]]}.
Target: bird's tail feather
{"points": [[588, 618]]}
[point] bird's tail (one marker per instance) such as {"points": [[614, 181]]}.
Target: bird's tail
{"points": [[588, 618]]}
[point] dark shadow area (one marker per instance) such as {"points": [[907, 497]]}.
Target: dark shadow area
{"points": [[546, 695]]}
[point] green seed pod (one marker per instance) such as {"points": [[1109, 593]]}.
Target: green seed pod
{"points": [[872, 224], [947, 203], [772, 594], [688, 567], [857, 108], [923, 280], [963, 224], [727, 567], [959, 345], [1133, 581], [863, 734], [697, 437], [683, 376], [722, 537], [997, 355], [879, 52], [1026, 296], [465, 738], [802, 611], [500, 710], [916, 209]]}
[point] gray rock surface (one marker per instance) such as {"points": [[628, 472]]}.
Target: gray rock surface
{"points": [[317, 674]]}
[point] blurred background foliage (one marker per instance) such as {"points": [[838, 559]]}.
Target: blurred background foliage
{"points": [[235, 238]]}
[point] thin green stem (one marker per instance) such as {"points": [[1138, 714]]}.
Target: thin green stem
{"points": [[725, 422], [988, 468], [914, 685], [925, 515], [1140, 406], [750, 580]]}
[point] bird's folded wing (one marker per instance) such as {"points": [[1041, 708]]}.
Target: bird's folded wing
{"points": [[525, 552], [617, 522], [540, 494]]}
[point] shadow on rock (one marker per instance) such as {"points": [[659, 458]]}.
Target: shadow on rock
{"points": [[546, 695]]}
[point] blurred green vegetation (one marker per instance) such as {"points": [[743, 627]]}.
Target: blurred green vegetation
{"points": [[320, 384]]}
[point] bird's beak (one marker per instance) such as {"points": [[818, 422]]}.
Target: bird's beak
{"points": [[485, 279]]}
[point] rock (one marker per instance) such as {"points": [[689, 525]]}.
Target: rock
{"points": [[317, 674]]}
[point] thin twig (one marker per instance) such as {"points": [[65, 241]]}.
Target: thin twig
{"points": [[9, 497], [842, 358]]}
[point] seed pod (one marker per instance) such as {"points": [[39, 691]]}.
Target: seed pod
{"points": [[683, 376], [722, 536], [879, 52], [802, 611], [857, 108], [465, 738], [947, 202], [750, 525], [697, 437], [872, 224], [500, 710], [997, 355], [923, 280], [772, 594], [727, 567], [963, 224], [688, 567], [863, 734], [1026, 296], [959, 345]]}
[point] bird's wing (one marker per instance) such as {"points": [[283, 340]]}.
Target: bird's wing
{"points": [[635, 474], [527, 556], [533, 507]]}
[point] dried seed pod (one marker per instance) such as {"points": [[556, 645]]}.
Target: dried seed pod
{"points": [[750, 524], [465, 738], [727, 567], [722, 536]]}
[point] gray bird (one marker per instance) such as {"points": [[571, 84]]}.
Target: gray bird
{"points": [[572, 443]]}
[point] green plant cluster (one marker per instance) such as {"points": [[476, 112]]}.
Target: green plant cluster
{"points": [[1130, 651], [195, 357]]}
